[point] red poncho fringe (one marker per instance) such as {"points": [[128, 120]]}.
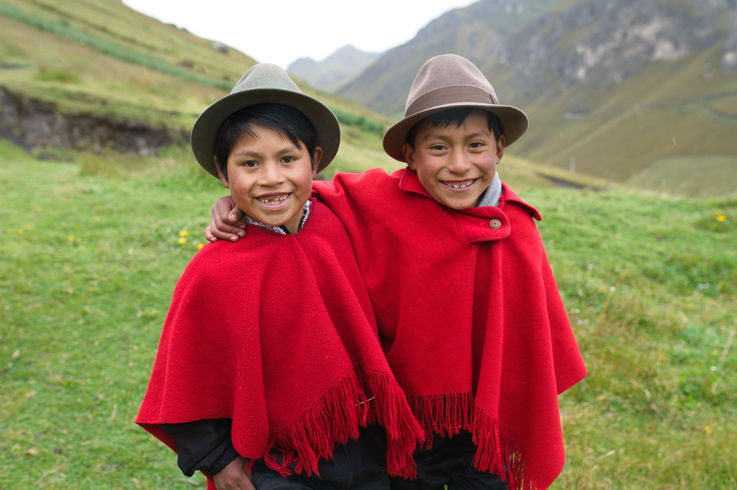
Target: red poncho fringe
{"points": [[469, 316], [277, 333]]}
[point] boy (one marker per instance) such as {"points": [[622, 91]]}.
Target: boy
{"points": [[269, 359], [469, 314]]}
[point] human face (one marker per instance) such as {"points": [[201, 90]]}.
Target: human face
{"points": [[455, 165], [269, 177]]}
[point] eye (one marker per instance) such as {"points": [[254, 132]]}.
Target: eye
{"points": [[288, 159], [478, 145], [250, 163], [437, 147]]}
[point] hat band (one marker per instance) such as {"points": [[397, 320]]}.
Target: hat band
{"points": [[453, 95]]}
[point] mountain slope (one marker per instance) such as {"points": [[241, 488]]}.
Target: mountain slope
{"points": [[475, 31], [95, 74], [615, 89], [332, 72]]}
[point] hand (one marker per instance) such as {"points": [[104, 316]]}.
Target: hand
{"points": [[225, 222], [234, 476]]}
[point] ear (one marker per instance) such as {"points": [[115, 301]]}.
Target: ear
{"points": [[222, 176], [317, 158], [500, 142], [409, 155]]}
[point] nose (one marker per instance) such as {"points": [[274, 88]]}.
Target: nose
{"points": [[271, 174], [458, 162]]}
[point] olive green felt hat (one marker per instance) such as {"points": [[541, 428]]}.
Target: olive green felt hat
{"points": [[444, 82], [264, 83]]}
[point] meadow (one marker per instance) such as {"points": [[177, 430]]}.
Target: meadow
{"points": [[92, 246]]}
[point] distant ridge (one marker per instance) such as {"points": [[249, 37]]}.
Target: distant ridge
{"points": [[619, 89], [335, 70]]}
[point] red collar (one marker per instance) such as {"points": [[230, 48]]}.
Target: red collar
{"points": [[408, 181], [488, 223]]}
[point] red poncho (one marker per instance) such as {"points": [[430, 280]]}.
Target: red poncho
{"points": [[469, 316], [267, 332]]}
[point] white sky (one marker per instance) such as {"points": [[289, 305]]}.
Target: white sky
{"points": [[280, 31]]}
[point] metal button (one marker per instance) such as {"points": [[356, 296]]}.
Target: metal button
{"points": [[495, 223]]}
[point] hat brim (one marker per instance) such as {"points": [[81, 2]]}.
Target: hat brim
{"points": [[514, 123], [205, 128]]}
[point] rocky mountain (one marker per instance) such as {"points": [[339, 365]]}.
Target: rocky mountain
{"points": [[476, 32], [629, 90], [602, 43], [335, 70]]}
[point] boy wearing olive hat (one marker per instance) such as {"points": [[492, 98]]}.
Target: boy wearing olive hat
{"points": [[269, 371], [468, 310]]}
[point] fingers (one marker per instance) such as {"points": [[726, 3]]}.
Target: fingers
{"points": [[235, 216], [226, 211], [233, 477], [209, 236], [225, 221]]}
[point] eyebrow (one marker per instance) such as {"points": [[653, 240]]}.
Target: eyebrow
{"points": [[475, 134], [252, 153]]}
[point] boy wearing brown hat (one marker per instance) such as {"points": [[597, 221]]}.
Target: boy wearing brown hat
{"points": [[468, 310], [269, 361]]}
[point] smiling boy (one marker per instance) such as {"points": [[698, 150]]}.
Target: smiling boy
{"points": [[269, 371], [455, 163], [269, 176], [468, 311]]}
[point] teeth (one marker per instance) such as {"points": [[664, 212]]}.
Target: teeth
{"points": [[275, 200], [459, 186]]}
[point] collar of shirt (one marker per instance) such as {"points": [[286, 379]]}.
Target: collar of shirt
{"points": [[281, 229], [492, 194]]}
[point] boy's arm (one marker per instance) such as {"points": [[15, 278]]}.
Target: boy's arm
{"points": [[225, 221], [205, 445], [234, 476]]}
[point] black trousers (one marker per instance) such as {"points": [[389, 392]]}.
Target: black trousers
{"points": [[449, 462], [358, 465]]}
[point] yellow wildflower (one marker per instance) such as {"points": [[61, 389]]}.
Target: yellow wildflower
{"points": [[199, 246], [182, 241], [183, 233], [721, 218], [70, 238]]}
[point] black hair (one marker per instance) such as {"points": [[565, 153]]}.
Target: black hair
{"points": [[455, 116], [279, 117]]}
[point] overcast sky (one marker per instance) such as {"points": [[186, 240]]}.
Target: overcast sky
{"points": [[280, 31]]}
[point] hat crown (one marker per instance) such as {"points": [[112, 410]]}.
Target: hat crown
{"points": [[265, 76], [448, 79], [264, 83]]}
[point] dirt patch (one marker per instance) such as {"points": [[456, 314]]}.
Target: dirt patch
{"points": [[32, 123]]}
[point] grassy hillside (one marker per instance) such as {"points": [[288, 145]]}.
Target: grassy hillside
{"points": [[102, 58], [91, 252], [635, 130], [619, 90]]}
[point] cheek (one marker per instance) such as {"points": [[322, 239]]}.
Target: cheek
{"points": [[426, 167], [488, 162], [303, 181]]}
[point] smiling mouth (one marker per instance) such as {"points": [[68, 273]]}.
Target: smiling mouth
{"points": [[273, 200], [458, 185]]}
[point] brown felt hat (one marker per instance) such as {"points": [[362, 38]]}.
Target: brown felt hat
{"points": [[447, 81], [264, 83]]}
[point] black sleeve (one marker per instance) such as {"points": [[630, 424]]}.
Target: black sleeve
{"points": [[203, 445]]}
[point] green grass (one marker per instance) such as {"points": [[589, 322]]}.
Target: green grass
{"points": [[108, 47], [99, 57], [91, 256], [695, 176]]}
